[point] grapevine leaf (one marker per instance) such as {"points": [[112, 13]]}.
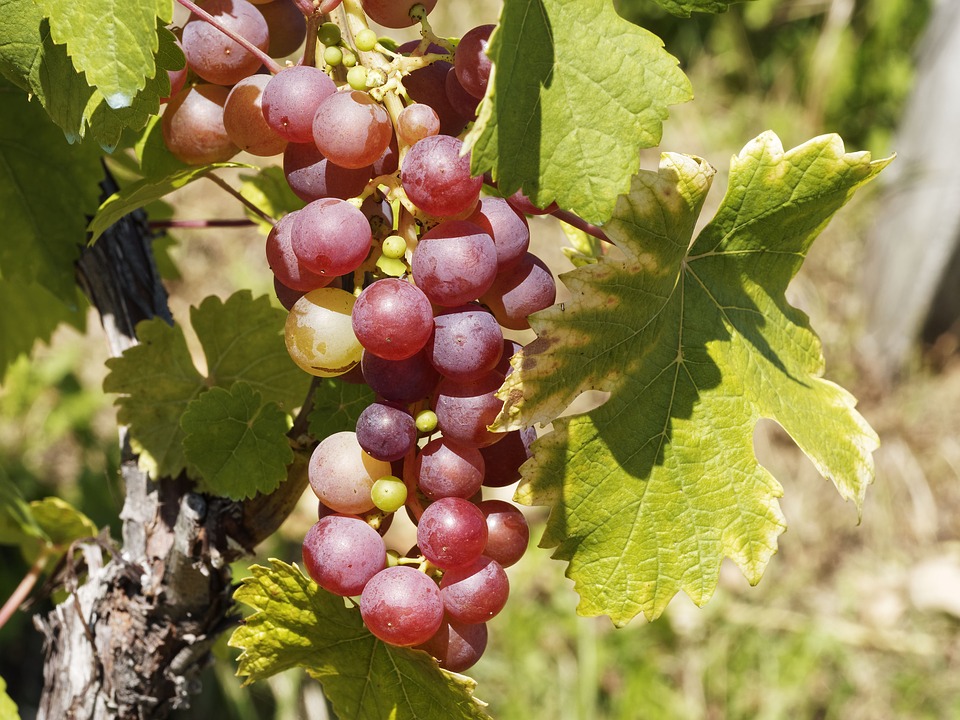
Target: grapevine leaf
{"points": [[337, 406], [683, 8], [46, 190], [154, 157], [17, 524], [236, 442], [143, 192], [31, 313], [296, 624], [269, 191], [695, 344], [574, 94], [8, 708], [241, 339], [112, 42], [61, 522]]}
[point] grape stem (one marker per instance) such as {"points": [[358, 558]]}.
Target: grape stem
{"points": [[578, 222], [314, 21], [246, 203], [410, 480], [267, 61], [23, 589], [212, 223]]}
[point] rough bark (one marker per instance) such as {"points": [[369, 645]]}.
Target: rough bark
{"points": [[131, 641]]}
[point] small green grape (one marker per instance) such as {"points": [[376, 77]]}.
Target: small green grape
{"points": [[357, 77], [394, 247], [349, 58], [333, 56], [426, 421], [328, 34], [366, 40], [389, 493]]}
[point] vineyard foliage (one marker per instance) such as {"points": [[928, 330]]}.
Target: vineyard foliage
{"points": [[689, 332]]}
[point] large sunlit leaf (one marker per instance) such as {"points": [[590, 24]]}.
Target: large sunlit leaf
{"points": [[575, 93], [296, 624], [696, 343]]}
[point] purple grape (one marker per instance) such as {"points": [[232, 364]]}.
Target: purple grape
{"points": [[386, 432], [476, 592], [311, 176], [457, 646], [331, 237], [286, 266], [393, 319], [291, 98], [502, 461], [452, 532], [341, 553], [507, 531], [472, 64], [464, 410], [454, 263], [508, 228], [427, 85], [461, 100], [466, 343], [401, 606], [436, 177], [447, 469], [519, 292], [403, 381], [394, 13]]}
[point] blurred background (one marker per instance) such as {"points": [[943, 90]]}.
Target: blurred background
{"points": [[850, 621]]}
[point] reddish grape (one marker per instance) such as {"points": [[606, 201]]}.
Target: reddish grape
{"points": [[394, 13], [405, 381], [401, 606], [454, 263], [520, 291], [331, 237], [243, 120], [461, 100], [192, 125], [286, 295], [466, 343], [476, 592], [417, 121], [213, 55], [341, 553], [291, 98], [285, 264], [457, 646], [508, 228], [507, 532], [445, 468], [451, 532], [436, 177], [392, 319], [471, 61], [502, 461], [286, 25], [312, 177], [341, 473], [352, 129], [427, 86], [464, 410]]}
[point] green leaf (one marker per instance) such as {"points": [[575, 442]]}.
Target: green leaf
{"points": [[8, 708], [236, 442], [47, 188], [695, 344], [156, 160], [112, 42], [574, 94], [143, 192], [683, 8], [242, 341], [296, 624], [17, 525], [61, 522], [337, 405], [269, 191]]}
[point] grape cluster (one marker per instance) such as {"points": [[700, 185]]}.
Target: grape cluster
{"points": [[398, 272]]}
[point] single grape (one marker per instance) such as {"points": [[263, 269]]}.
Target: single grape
{"points": [[461, 100], [451, 532], [471, 61], [192, 125], [290, 101], [366, 40], [319, 335], [331, 237], [401, 606], [502, 461], [352, 129], [332, 56], [386, 432], [436, 177], [445, 468], [329, 33], [394, 13], [457, 646], [466, 343], [244, 121], [286, 25], [389, 493], [507, 531], [426, 421], [508, 228], [342, 553], [405, 381], [311, 176], [476, 592], [464, 410], [417, 121], [454, 263], [349, 59], [393, 319], [342, 474], [520, 291], [284, 263], [357, 77], [216, 57], [394, 247]]}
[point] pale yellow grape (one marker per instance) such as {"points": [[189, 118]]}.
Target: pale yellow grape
{"points": [[342, 474], [319, 333]]}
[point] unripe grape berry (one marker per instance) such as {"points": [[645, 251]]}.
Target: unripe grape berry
{"points": [[389, 493], [366, 40]]}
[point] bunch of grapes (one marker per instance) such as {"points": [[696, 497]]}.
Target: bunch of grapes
{"points": [[398, 272]]}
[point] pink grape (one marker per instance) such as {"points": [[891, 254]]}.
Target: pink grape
{"points": [[392, 319], [520, 291], [457, 646], [466, 343], [476, 592], [331, 237], [341, 553], [401, 606], [507, 531], [352, 129], [311, 176], [502, 461], [472, 64], [508, 228], [454, 263], [243, 119], [285, 264], [445, 468], [464, 410], [452, 532], [192, 125], [216, 57], [291, 98], [394, 13], [436, 177], [416, 122], [406, 381]]}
